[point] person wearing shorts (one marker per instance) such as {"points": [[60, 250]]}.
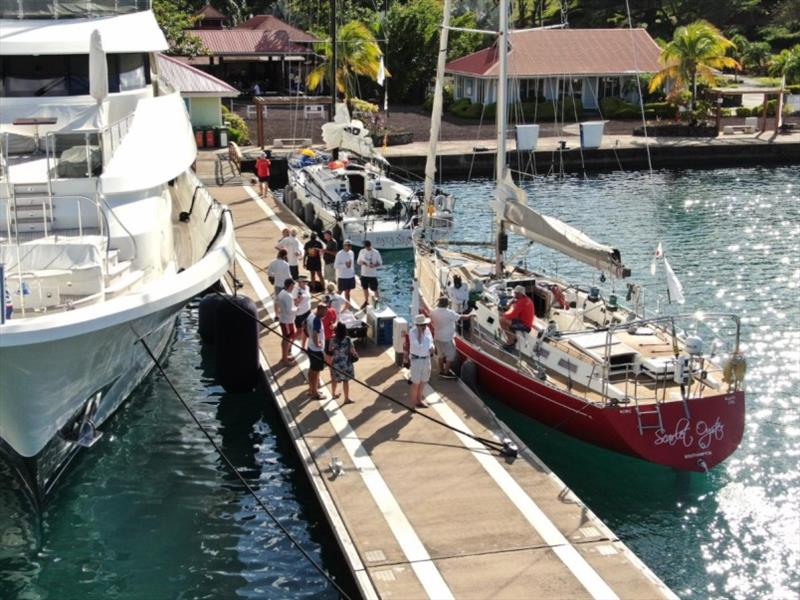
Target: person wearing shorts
{"points": [[301, 294], [369, 259], [285, 309], [519, 317], [420, 347], [316, 345], [329, 256], [444, 322], [262, 172], [345, 269]]}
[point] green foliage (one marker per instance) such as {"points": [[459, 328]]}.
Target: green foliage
{"points": [[175, 17], [743, 111], [447, 99], [787, 64], [237, 127], [661, 110], [772, 107]]}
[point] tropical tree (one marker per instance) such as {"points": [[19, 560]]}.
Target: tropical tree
{"points": [[692, 55], [787, 64], [756, 57], [175, 19], [357, 54]]}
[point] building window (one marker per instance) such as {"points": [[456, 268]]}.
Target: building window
{"points": [[468, 88]]}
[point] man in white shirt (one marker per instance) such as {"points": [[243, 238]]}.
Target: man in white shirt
{"points": [[369, 259], [444, 322], [278, 271], [420, 346], [294, 250], [458, 293], [345, 269], [316, 343], [301, 295], [285, 310]]}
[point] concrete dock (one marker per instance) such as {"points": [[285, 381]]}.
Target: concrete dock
{"points": [[421, 511]]}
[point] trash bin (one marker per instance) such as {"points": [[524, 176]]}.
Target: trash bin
{"points": [[222, 136], [592, 134], [198, 138], [210, 141], [278, 173]]}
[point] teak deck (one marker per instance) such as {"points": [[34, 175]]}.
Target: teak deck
{"points": [[420, 511]]}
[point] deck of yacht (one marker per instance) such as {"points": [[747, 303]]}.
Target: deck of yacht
{"points": [[420, 511]]}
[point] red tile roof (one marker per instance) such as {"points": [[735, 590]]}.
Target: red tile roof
{"points": [[209, 12], [273, 23], [548, 52], [190, 80], [246, 42]]}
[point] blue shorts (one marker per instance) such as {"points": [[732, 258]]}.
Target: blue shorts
{"points": [[517, 325]]}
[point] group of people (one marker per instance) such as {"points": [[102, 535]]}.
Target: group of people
{"points": [[325, 263]]}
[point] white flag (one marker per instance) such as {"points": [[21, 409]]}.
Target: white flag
{"points": [[673, 285], [381, 74], [659, 254]]}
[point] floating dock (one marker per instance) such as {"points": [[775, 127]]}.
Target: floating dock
{"points": [[418, 510]]}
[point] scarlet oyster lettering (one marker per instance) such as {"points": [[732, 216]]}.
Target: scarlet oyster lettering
{"points": [[705, 434], [681, 435]]}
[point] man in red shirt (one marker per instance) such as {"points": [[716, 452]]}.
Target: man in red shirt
{"points": [[518, 317], [262, 172]]}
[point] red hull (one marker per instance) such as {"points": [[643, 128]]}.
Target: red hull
{"points": [[711, 433]]}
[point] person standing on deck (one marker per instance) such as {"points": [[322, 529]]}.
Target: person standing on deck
{"points": [[369, 259], [345, 269], [459, 295], [329, 256], [420, 348], [444, 322], [343, 355], [294, 250], [313, 260], [334, 300], [284, 309], [262, 172], [278, 271], [301, 296], [518, 317], [316, 345]]}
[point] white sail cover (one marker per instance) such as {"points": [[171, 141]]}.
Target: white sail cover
{"points": [[517, 217], [351, 135]]}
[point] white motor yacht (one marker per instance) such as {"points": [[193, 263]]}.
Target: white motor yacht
{"points": [[105, 231]]}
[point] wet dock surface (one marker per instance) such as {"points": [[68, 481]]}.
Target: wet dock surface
{"points": [[419, 510]]}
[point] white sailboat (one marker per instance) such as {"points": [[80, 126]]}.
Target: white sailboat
{"points": [[587, 365], [105, 231]]}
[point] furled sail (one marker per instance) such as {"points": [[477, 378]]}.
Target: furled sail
{"points": [[518, 218], [351, 135]]}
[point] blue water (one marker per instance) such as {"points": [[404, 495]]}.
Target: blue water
{"points": [[150, 512]]}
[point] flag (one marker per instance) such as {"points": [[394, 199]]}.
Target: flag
{"points": [[381, 74], [659, 254], [674, 287]]}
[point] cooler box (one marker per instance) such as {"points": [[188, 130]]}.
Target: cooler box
{"points": [[592, 134], [380, 325], [527, 137]]}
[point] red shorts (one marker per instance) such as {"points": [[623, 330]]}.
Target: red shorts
{"points": [[288, 330]]}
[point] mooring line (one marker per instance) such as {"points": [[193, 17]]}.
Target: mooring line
{"points": [[239, 476]]}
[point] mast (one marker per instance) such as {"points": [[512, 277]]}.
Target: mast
{"points": [[335, 153], [502, 126], [436, 113]]}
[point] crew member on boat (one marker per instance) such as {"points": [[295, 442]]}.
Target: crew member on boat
{"points": [[518, 317], [458, 294]]}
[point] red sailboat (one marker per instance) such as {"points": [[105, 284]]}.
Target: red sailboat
{"points": [[650, 387]]}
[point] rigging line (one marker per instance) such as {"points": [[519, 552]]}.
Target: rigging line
{"points": [[639, 88], [490, 444], [238, 475]]}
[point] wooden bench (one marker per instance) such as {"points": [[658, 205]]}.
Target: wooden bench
{"points": [[235, 155], [291, 142]]}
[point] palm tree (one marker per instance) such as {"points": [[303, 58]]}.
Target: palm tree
{"points": [[693, 54], [357, 54], [787, 64]]}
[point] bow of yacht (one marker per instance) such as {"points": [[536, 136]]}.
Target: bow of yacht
{"points": [[105, 231]]}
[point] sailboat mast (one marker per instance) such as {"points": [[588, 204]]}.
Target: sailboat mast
{"points": [[436, 113], [502, 126], [333, 59]]}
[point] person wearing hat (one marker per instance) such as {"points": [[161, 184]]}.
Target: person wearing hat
{"points": [[518, 317], [420, 346], [315, 332], [262, 172], [301, 296], [369, 259], [345, 264]]}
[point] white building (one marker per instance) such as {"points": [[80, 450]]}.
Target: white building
{"points": [[589, 64]]}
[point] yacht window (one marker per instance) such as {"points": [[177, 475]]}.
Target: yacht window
{"points": [[44, 75], [127, 72]]}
